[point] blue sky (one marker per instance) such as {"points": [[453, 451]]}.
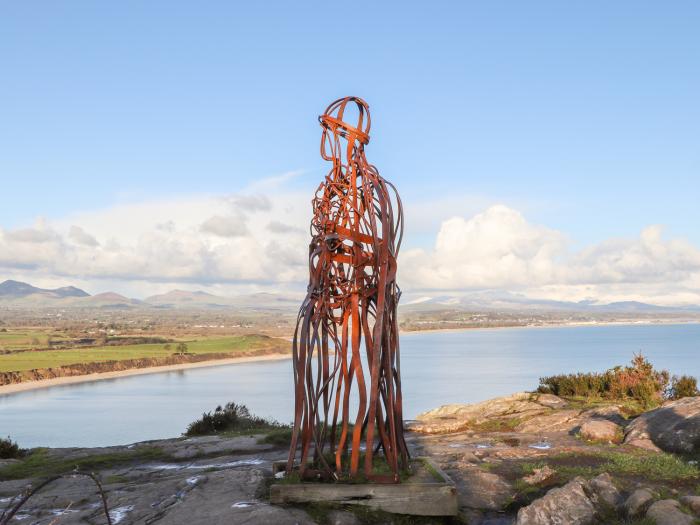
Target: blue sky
{"points": [[583, 117]]}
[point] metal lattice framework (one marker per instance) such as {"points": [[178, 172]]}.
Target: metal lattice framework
{"points": [[346, 343]]}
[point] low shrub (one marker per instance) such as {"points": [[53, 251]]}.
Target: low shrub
{"points": [[9, 449], [638, 381], [229, 418], [683, 386]]}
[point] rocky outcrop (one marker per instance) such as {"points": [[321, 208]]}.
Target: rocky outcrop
{"points": [[524, 412], [213, 480], [453, 418], [674, 427]]}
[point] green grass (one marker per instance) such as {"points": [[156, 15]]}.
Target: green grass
{"points": [[649, 466], [278, 436], [54, 358], [494, 425], [628, 407], [39, 463]]}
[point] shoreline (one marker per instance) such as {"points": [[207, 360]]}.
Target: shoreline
{"points": [[89, 378], [555, 325]]}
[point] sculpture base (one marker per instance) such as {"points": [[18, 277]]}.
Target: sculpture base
{"points": [[427, 492]]}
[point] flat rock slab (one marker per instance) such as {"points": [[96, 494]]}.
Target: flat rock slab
{"points": [[418, 498]]}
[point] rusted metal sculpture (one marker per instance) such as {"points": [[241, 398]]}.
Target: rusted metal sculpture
{"points": [[349, 314]]}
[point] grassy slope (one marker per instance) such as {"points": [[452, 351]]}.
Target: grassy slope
{"points": [[53, 358]]}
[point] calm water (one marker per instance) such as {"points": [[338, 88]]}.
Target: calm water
{"points": [[437, 368]]}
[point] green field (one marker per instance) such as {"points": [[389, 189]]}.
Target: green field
{"points": [[53, 358], [22, 339]]}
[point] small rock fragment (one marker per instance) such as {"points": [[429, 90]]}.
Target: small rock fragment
{"points": [[539, 475]]}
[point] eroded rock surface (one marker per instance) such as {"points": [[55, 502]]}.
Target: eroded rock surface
{"points": [[220, 479]]}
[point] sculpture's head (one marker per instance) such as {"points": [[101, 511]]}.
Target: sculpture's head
{"points": [[335, 123]]}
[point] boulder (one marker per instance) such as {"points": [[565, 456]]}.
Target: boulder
{"points": [[668, 512], [674, 427], [608, 413], [693, 503], [638, 502], [600, 430], [568, 504], [603, 492]]}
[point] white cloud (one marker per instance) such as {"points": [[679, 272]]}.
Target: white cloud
{"points": [[80, 236], [231, 226], [181, 240], [496, 248], [258, 239]]}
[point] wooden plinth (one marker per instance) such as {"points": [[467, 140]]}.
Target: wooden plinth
{"points": [[428, 492]]}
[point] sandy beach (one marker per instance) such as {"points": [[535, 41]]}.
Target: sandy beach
{"points": [[58, 381]]}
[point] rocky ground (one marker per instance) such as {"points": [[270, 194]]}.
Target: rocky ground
{"points": [[523, 459]]}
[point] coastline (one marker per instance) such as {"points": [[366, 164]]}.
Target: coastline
{"points": [[555, 325], [88, 378]]}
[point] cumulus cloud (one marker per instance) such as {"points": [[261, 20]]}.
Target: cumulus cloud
{"points": [[496, 248], [500, 249]]}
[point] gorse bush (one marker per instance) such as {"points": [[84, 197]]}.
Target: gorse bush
{"points": [[683, 386], [230, 418], [9, 449], [638, 381]]}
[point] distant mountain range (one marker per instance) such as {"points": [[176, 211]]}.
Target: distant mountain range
{"points": [[499, 300], [19, 294], [19, 289]]}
